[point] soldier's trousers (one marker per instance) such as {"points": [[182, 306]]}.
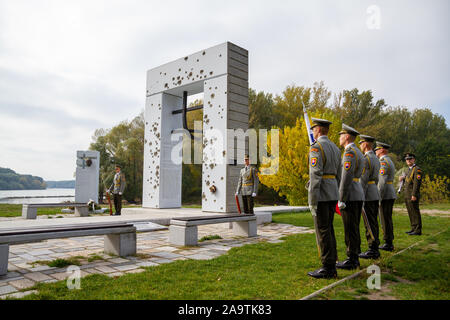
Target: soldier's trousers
{"points": [[325, 230], [414, 215], [118, 203], [248, 204], [371, 208], [351, 216], [386, 220]]}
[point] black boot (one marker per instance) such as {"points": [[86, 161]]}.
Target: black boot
{"points": [[414, 233], [370, 254], [348, 264], [323, 273], [387, 247]]}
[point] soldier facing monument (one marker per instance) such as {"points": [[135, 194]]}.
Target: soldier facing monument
{"points": [[369, 182], [323, 194], [387, 194], [351, 195]]}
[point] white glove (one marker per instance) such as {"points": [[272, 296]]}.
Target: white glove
{"points": [[341, 205], [120, 193], [253, 194], [313, 210], [237, 193]]}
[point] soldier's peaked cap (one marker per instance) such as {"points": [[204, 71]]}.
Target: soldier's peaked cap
{"points": [[320, 122], [409, 156], [349, 130], [382, 145], [364, 138]]}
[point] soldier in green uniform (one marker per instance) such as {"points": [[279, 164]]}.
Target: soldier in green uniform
{"points": [[413, 180], [369, 182], [248, 185], [117, 188], [387, 194], [323, 194], [351, 196]]}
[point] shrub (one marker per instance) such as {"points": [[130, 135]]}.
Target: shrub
{"points": [[436, 190]]}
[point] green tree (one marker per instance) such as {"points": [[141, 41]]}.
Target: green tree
{"points": [[359, 111], [261, 110], [293, 165], [123, 145]]}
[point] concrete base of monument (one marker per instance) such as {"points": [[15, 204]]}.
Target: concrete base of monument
{"points": [[163, 216]]}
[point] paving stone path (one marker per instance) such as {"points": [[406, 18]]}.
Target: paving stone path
{"points": [[153, 249]]}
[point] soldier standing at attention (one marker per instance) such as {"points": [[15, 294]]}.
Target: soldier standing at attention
{"points": [[248, 185], [387, 194], [117, 188], [369, 182], [323, 194], [351, 196], [413, 180]]}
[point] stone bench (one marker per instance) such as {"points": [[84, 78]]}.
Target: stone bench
{"points": [[184, 231], [120, 238], [29, 211]]}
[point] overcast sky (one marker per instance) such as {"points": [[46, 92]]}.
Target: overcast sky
{"points": [[70, 67]]}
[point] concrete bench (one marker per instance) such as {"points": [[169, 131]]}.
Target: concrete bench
{"points": [[29, 211], [184, 231], [120, 238]]}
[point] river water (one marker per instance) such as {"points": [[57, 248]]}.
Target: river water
{"points": [[37, 196]]}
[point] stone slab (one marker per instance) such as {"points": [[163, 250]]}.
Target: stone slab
{"points": [[7, 289]]}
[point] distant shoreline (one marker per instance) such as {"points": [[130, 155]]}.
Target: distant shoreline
{"points": [[30, 197]]}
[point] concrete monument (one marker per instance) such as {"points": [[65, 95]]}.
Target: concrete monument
{"points": [[221, 73], [87, 176]]}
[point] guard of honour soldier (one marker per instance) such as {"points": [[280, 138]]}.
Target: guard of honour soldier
{"points": [[413, 180], [248, 185], [117, 188], [359, 184]]}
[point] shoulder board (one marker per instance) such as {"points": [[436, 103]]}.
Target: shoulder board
{"points": [[314, 149]]}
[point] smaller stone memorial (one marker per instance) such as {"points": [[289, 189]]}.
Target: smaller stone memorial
{"points": [[87, 176]]}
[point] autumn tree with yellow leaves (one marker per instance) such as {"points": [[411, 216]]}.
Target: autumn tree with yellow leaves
{"points": [[290, 172]]}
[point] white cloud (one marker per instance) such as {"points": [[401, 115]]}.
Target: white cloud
{"points": [[68, 68]]}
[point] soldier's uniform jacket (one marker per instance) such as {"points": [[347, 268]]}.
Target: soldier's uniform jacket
{"points": [[353, 163], [118, 185], [413, 182], [369, 177], [324, 171], [386, 179], [248, 181]]}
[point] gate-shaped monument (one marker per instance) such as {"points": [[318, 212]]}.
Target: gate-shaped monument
{"points": [[221, 73]]}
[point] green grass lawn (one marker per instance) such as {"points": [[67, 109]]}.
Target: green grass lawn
{"points": [[420, 273], [427, 206], [15, 210], [257, 271]]}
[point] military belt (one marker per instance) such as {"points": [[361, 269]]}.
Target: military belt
{"points": [[329, 176], [371, 182], [389, 182], [247, 184], [356, 179]]}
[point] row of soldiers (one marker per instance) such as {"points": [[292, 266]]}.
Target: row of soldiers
{"points": [[358, 184]]}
